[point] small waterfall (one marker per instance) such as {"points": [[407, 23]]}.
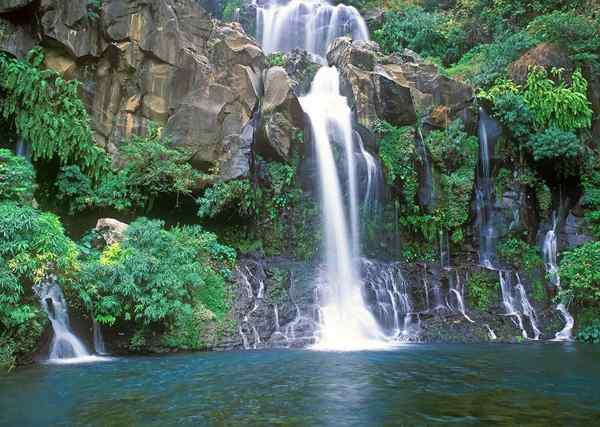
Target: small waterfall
{"points": [[491, 333], [550, 252], [310, 25], [518, 306], [23, 149], [65, 345], [99, 347], [489, 130], [346, 322], [388, 298]]}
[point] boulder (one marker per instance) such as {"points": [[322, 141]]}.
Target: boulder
{"points": [[281, 116], [111, 230], [543, 55]]}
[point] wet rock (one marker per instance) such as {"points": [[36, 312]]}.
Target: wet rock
{"points": [[15, 39], [281, 116]]}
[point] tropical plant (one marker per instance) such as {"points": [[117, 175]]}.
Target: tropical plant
{"points": [[17, 178], [45, 110], [580, 273]]}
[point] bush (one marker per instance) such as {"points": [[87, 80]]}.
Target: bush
{"points": [[590, 333], [17, 178], [520, 255], [580, 273], [46, 110], [275, 59], [482, 287], [32, 245], [150, 168], [555, 143], [235, 195], [155, 276]]}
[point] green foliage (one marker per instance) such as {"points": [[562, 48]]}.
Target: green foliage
{"points": [[237, 196], [17, 178], [32, 244], [275, 59], [46, 110], [150, 168], [591, 194], [555, 143], [398, 154], [487, 62], [519, 254], [580, 273], [454, 155], [230, 8], [159, 278], [93, 9], [556, 104], [415, 29], [578, 34], [590, 333], [482, 287]]}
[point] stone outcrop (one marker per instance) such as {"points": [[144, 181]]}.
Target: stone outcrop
{"points": [[543, 55], [7, 6], [396, 88], [162, 61], [111, 230], [281, 116]]}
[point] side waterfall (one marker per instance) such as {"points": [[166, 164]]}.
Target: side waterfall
{"points": [[65, 346], [516, 303], [550, 252], [345, 321], [310, 25]]}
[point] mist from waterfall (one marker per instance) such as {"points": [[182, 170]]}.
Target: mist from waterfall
{"points": [[310, 25], [345, 320]]}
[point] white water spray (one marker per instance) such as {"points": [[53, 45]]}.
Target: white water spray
{"points": [[550, 252], [65, 346], [310, 25], [346, 322]]}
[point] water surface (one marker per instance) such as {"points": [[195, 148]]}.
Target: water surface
{"points": [[546, 383]]}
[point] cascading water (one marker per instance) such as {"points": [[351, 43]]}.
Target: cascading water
{"points": [[516, 303], [99, 347], [550, 253], [484, 191], [310, 25], [65, 346], [345, 321]]}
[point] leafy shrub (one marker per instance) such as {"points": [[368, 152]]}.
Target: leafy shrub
{"points": [[580, 273], [579, 34], [398, 154], [17, 178], [482, 287], [591, 195], [276, 59], [157, 276], [590, 333], [229, 9], [150, 168], [235, 195], [555, 143], [519, 254], [415, 29], [32, 244], [46, 110]]}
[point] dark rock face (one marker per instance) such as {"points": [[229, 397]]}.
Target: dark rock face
{"points": [[7, 6], [15, 39], [395, 87], [154, 61], [281, 116]]}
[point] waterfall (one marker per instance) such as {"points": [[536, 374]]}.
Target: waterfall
{"points": [[65, 346], [527, 308], [310, 25], [550, 253], [491, 333], [484, 191], [23, 149], [345, 321], [518, 306], [99, 347]]}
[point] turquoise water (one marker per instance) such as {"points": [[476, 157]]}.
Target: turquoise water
{"points": [[554, 383]]}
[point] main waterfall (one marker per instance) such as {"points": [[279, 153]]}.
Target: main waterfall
{"points": [[345, 321]]}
